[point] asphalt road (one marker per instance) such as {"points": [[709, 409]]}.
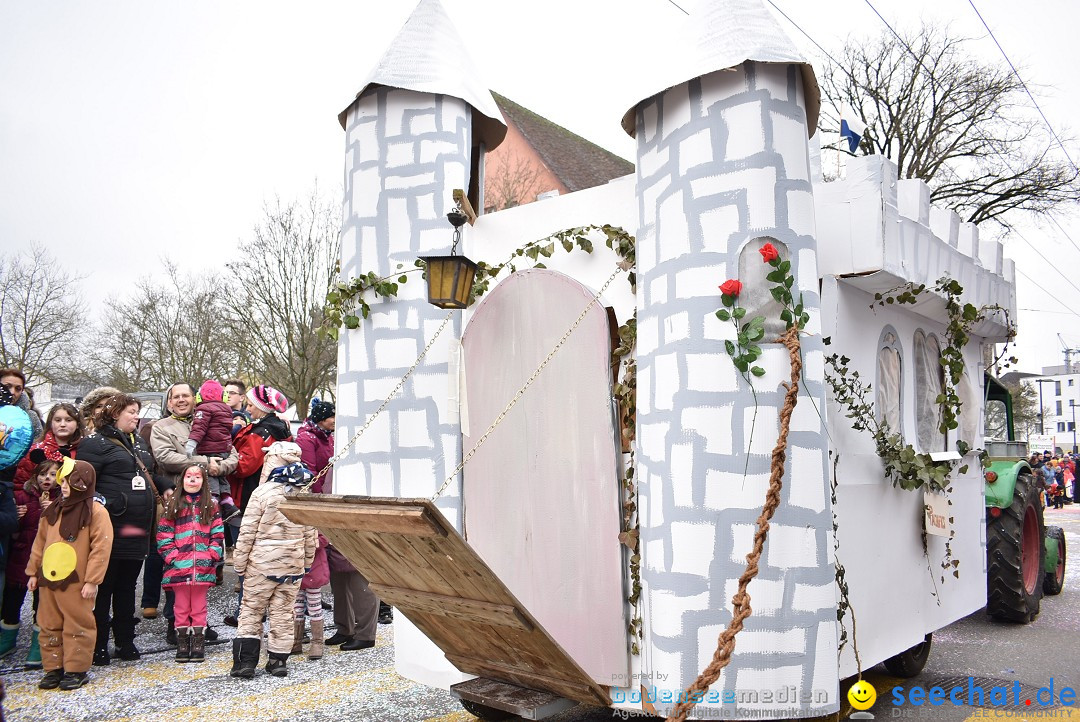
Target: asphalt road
{"points": [[363, 685]]}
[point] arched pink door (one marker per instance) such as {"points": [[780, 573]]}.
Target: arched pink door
{"points": [[541, 497]]}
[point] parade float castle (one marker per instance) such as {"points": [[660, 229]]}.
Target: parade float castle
{"points": [[723, 166]]}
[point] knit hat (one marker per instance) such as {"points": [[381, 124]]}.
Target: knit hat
{"points": [[268, 399], [285, 451], [211, 391], [321, 410], [295, 474]]}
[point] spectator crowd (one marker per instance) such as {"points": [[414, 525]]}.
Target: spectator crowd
{"points": [[103, 498], [1056, 477]]}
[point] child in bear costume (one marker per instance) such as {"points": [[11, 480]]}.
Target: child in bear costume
{"points": [[68, 562]]}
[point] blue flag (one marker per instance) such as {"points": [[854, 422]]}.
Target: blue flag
{"points": [[851, 130]]}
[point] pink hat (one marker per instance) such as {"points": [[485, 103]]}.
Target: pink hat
{"points": [[211, 391], [268, 399]]}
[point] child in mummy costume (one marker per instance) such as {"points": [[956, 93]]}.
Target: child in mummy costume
{"points": [[272, 554], [67, 563]]}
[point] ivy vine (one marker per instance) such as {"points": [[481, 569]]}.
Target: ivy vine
{"points": [[904, 466]]}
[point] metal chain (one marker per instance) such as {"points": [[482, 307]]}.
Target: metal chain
{"points": [[345, 449], [528, 383]]}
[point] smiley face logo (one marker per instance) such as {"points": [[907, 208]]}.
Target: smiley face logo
{"points": [[862, 695]]}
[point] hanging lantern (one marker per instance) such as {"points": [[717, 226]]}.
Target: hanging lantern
{"points": [[450, 278]]}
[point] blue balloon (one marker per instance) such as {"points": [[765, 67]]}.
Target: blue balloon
{"points": [[16, 435]]}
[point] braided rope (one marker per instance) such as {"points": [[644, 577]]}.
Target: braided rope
{"points": [[345, 449], [528, 383], [725, 645]]}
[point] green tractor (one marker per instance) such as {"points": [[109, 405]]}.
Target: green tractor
{"points": [[1024, 558]]}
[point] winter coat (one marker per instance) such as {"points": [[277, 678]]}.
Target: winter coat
{"points": [[23, 540], [316, 450], [251, 443], [52, 451], [133, 511], [93, 545], [211, 428], [190, 547], [319, 576], [167, 439], [268, 543]]}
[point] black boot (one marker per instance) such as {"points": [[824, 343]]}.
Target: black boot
{"points": [[101, 646], [198, 644], [386, 613], [183, 646], [245, 656], [277, 664], [337, 638], [170, 635]]}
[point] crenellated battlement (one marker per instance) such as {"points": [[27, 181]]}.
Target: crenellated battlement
{"points": [[878, 232]]}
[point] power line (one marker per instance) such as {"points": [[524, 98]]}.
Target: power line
{"points": [[797, 27], [1036, 284], [1022, 84], [903, 42], [1065, 233], [1046, 310], [1052, 265]]}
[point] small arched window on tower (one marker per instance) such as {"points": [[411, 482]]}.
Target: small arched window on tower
{"points": [[929, 381], [756, 297], [889, 381]]}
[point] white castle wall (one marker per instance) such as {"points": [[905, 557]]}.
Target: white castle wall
{"points": [[876, 232], [870, 221], [723, 160], [405, 152], [896, 590]]}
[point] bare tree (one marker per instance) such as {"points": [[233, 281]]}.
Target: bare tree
{"points": [[283, 276], [40, 311], [963, 125], [175, 329], [511, 180]]}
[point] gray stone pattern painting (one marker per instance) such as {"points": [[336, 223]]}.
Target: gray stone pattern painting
{"points": [[406, 152], [722, 163]]}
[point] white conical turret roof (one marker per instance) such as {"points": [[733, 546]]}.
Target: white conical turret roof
{"points": [[717, 35], [428, 56]]}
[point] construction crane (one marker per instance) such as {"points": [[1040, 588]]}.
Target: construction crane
{"points": [[1068, 352]]}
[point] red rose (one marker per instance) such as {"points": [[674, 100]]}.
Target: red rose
{"points": [[768, 252], [731, 287]]}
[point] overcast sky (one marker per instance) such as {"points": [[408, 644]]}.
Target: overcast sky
{"points": [[134, 131]]}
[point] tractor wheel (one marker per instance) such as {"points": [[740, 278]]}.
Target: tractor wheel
{"points": [[488, 714], [1055, 580], [909, 663], [1015, 553]]}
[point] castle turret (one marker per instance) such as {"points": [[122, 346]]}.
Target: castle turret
{"points": [[413, 133], [723, 168]]}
